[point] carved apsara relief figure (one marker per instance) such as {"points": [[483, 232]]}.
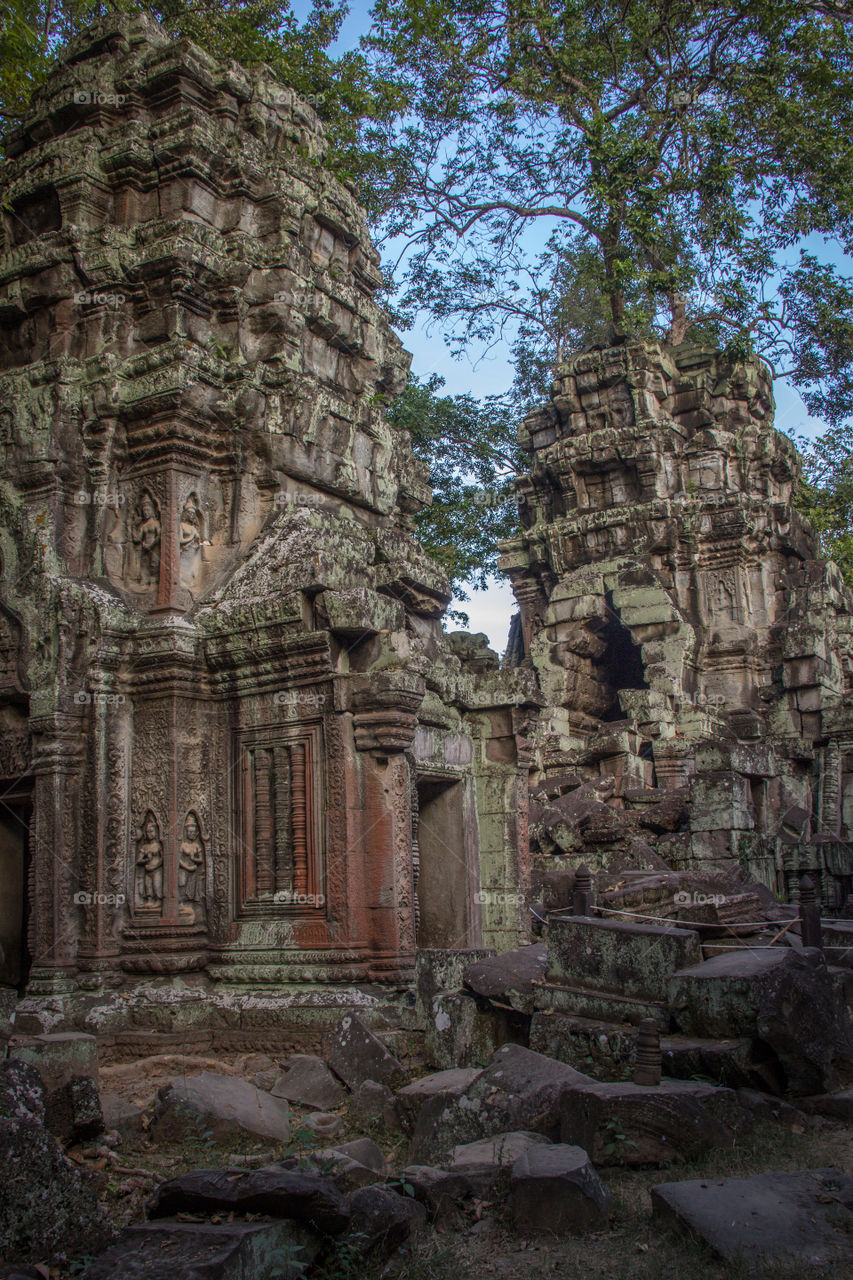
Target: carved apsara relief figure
{"points": [[191, 868], [143, 562], [727, 602], [191, 540], [149, 865]]}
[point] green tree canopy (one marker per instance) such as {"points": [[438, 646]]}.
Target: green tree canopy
{"points": [[471, 450], [682, 156]]}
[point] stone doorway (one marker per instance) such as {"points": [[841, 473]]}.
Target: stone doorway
{"points": [[15, 815], [444, 883]]}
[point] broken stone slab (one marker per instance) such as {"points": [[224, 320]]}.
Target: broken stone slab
{"points": [[509, 978], [58, 1056], [73, 1111], [351, 1165], [120, 1116], [446, 1084], [47, 1210], [518, 1090], [631, 960], [282, 1193], [207, 1251], [620, 1123], [803, 1217], [366, 1152], [308, 1081], [356, 1055], [555, 1189], [223, 1105], [21, 1092], [786, 998], [381, 1220]]}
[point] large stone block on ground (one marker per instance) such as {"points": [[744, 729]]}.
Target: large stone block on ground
{"points": [[784, 998], [207, 1251], [460, 1032], [222, 1105], [509, 979], [556, 1189], [633, 960], [282, 1193], [620, 1123], [59, 1056], [518, 1090], [801, 1218], [47, 1209], [441, 969], [381, 1220], [498, 1152], [483, 1162], [356, 1055], [307, 1080], [445, 1084]]}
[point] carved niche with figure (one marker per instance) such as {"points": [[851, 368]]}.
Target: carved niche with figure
{"points": [[149, 867]]}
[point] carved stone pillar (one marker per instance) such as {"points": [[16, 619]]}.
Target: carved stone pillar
{"points": [[58, 761]]}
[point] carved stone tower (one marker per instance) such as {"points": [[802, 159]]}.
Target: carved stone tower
{"points": [[224, 680], [688, 640]]}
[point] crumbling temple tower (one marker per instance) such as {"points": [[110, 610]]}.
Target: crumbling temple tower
{"points": [[689, 642], [236, 745]]}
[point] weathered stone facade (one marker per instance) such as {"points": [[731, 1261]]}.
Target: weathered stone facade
{"points": [[694, 653], [225, 697]]}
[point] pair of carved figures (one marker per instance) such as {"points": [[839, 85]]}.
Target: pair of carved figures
{"points": [[142, 565], [149, 867]]}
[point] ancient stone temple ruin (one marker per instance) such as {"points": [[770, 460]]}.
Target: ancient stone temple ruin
{"points": [[246, 776], [694, 653], [237, 745]]}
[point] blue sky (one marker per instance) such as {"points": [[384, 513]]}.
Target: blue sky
{"points": [[481, 372]]}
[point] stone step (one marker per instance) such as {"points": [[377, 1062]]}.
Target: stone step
{"points": [[606, 1049]]}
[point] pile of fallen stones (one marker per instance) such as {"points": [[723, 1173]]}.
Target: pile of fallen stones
{"points": [[525, 1139]]}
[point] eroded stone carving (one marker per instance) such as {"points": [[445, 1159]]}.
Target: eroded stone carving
{"points": [[231, 636], [688, 641]]}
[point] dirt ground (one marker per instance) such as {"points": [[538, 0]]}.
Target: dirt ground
{"points": [[484, 1247]]}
